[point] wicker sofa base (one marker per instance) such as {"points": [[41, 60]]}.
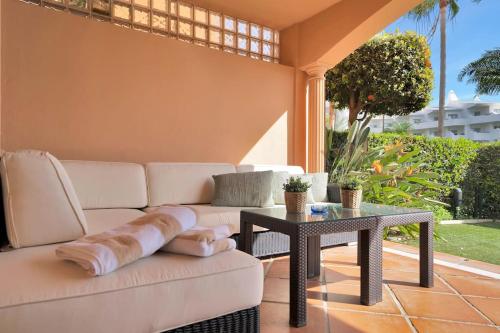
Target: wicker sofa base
{"points": [[270, 243], [244, 321]]}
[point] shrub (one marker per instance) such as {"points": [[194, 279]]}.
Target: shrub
{"points": [[450, 158], [481, 184]]}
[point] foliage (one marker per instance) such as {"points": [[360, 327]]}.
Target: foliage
{"points": [[352, 183], [397, 177], [448, 158], [295, 184], [484, 72], [352, 155], [481, 185], [390, 74]]}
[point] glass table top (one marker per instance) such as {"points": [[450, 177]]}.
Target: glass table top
{"points": [[333, 212]]}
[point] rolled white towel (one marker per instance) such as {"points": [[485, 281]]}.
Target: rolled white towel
{"points": [[202, 241]]}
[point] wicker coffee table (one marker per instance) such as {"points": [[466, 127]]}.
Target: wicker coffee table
{"points": [[305, 231]]}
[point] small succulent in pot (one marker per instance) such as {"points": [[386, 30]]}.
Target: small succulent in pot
{"points": [[352, 192], [296, 194]]}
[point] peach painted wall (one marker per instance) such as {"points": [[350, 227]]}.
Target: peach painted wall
{"points": [[90, 90]]}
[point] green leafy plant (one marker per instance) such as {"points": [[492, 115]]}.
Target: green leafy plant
{"points": [[352, 184], [295, 184], [484, 72], [353, 154], [398, 178]]}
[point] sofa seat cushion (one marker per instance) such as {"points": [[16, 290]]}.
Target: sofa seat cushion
{"points": [[209, 216], [41, 293], [100, 220]]}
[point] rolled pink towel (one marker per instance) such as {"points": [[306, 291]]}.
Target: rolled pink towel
{"points": [[105, 252], [202, 241]]}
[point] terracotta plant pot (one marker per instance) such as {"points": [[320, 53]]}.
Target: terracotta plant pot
{"points": [[295, 202], [351, 198]]}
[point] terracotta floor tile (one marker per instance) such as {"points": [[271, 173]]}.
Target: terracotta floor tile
{"points": [[347, 297], [435, 326], [359, 322], [490, 307], [276, 290], [342, 275], [411, 280], [475, 286], [274, 319], [400, 263], [279, 269], [438, 306]]}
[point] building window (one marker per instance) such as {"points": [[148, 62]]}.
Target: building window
{"points": [[183, 21], [435, 118], [417, 121], [496, 127], [477, 113], [453, 116]]}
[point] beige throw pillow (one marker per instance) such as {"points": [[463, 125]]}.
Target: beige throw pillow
{"points": [[247, 189], [319, 186], [41, 206]]}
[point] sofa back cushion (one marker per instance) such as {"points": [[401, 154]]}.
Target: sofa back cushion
{"points": [[291, 169], [183, 183], [108, 184], [41, 206]]}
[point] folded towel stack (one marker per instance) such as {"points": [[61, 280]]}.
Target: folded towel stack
{"points": [[105, 252], [202, 241]]}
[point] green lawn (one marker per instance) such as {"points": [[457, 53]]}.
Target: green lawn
{"points": [[479, 241]]}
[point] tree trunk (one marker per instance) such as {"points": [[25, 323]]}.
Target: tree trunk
{"points": [[443, 6]]}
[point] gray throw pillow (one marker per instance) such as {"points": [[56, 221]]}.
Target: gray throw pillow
{"points": [[246, 189], [319, 186]]}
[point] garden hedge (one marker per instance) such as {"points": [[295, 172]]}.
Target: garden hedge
{"points": [[481, 184]]}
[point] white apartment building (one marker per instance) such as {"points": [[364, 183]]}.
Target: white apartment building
{"points": [[475, 120]]}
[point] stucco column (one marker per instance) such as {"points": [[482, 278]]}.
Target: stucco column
{"points": [[316, 118]]}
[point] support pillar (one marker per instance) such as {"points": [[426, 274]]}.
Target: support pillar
{"points": [[316, 118]]}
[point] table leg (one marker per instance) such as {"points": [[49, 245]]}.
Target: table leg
{"points": [[358, 259], [426, 254], [370, 244], [245, 241], [313, 256], [298, 279]]}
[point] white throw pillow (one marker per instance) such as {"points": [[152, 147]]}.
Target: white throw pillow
{"points": [[280, 178], [41, 206], [319, 186]]}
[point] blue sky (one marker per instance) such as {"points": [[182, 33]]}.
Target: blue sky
{"points": [[475, 29]]}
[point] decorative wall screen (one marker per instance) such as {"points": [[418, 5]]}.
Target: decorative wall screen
{"points": [[180, 20]]}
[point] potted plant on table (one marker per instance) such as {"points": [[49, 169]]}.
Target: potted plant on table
{"points": [[351, 192], [296, 195]]}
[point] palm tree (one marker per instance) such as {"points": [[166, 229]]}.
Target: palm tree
{"points": [[427, 11], [484, 72]]}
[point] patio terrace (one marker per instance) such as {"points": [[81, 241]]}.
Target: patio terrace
{"points": [[460, 302]]}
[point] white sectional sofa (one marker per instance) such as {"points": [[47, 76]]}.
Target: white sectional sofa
{"points": [[40, 293]]}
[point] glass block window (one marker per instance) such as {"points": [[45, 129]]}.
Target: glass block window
{"points": [[184, 21]]}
